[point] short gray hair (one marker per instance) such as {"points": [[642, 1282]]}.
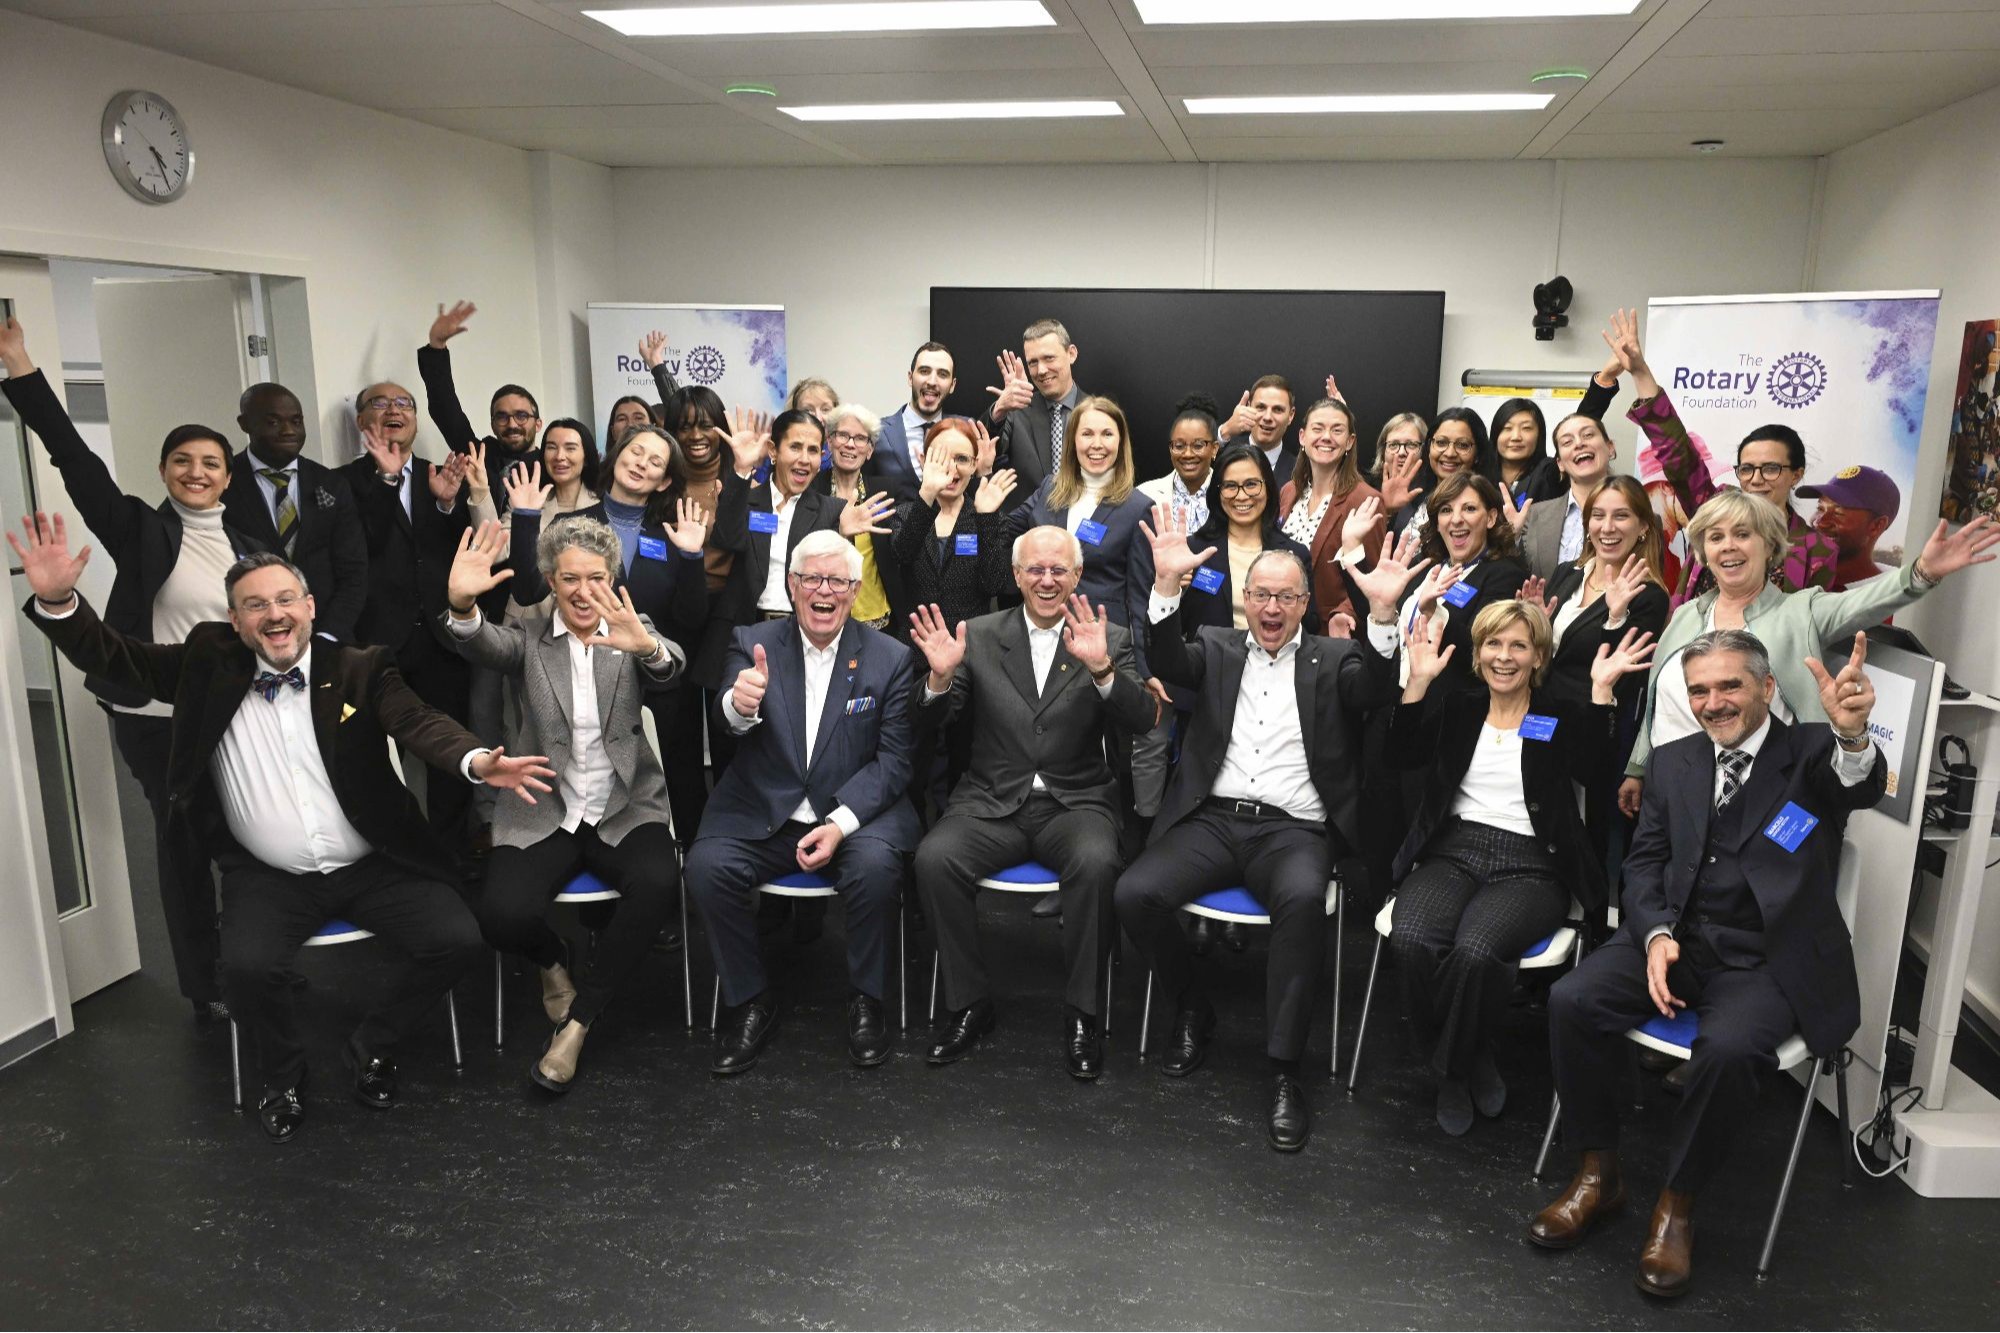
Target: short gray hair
{"points": [[1742, 641], [253, 562], [1285, 554], [582, 534], [1043, 328], [1075, 546], [825, 542], [855, 412]]}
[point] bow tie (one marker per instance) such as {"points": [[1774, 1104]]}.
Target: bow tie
{"points": [[268, 683]]}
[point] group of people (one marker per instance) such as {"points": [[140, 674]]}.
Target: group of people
{"points": [[919, 649]]}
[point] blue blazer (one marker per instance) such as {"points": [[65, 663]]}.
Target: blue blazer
{"points": [[1107, 563], [890, 464], [861, 759]]}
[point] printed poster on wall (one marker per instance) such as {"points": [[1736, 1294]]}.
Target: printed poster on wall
{"points": [[1847, 370], [1972, 460], [738, 351]]}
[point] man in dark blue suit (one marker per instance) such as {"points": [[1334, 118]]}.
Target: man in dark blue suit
{"points": [[898, 461], [820, 707], [1729, 909]]}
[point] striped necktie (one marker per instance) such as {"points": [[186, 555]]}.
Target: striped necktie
{"points": [[288, 512]]}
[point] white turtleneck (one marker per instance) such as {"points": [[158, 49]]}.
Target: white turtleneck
{"points": [[1086, 504], [193, 592]]}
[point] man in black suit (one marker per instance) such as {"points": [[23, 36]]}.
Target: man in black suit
{"points": [[820, 707], [1037, 786], [412, 515], [1729, 909], [1032, 406], [1266, 794], [297, 507], [279, 764], [515, 415], [1262, 417]]}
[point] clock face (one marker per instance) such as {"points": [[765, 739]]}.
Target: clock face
{"points": [[147, 147]]}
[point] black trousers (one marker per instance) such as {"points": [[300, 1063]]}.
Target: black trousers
{"points": [[1464, 916], [681, 718], [1744, 1017], [723, 875], [521, 882], [1284, 863], [1081, 846], [187, 890], [267, 914], [442, 679]]}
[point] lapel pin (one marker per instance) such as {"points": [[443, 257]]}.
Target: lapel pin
{"points": [[853, 663]]}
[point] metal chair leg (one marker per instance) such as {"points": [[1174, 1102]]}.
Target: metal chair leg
{"points": [[1791, 1169], [1339, 954], [1110, 985], [451, 1016], [903, 964], [235, 1066], [1840, 1099], [1146, 1016], [1549, 1134], [1367, 1002], [715, 1006], [499, 1000], [687, 960], [935, 958]]}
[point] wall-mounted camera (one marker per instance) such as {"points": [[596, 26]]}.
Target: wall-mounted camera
{"points": [[1552, 298]]}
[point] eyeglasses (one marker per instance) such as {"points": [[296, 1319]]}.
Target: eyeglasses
{"points": [[1456, 446], [1254, 486], [1264, 596], [833, 583], [257, 606], [1402, 446], [1768, 471], [852, 437], [1040, 572], [384, 404], [515, 418], [1190, 446]]}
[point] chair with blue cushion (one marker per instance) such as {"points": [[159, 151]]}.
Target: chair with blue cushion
{"points": [[1038, 879], [813, 884], [1561, 949], [1237, 905], [333, 932]]}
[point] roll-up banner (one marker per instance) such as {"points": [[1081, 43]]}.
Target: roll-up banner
{"points": [[736, 350]]}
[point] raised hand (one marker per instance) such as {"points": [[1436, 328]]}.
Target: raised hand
{"points": [[1016, 391], [993, 491], [941, 648], [1633, 653], [867, 515], [520, 774], [1849, 697], [1239, 421], [750, 442], [937, 472], [450, 323], [447, 477], [1622, 587], [689, 530], [14, 349], [1361, 520], [1516, 518], [1333, 390], [622, 629], [1173, 561], [1385, 584], [747, 694], [477, 479], [1435, 584], [387, 458], [1399, 471], [1535, 592], [983, 449], [524, 487], [1427, 653], [45, 561], [653, 348], [1947, 553], [1623, 340], [472, 573], [1085, 635]]}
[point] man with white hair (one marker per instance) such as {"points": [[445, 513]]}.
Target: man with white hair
{"points": [[820, 707]]}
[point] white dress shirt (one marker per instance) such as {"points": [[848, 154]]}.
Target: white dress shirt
{"points": [[915, 424], [819, 664], [1570, 544], [270, 492], [775, 596]]}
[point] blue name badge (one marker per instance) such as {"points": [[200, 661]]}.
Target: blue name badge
{"points": [[762, 520], [1536, 727], [1090, 532], [1208, 580], [1460, 594], [652, 548], [966, 543], [1789, 829]]}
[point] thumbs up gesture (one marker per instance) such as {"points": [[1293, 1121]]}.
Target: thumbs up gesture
{"points": [[747, 696]]}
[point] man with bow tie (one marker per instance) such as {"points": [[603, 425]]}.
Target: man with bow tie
{"points": [[279, 760]]}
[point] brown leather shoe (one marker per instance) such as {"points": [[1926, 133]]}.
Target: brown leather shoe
{"points": [[1666, 1265], [1596, 1189], [557, 992]]}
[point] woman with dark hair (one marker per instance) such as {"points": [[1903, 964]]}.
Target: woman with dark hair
{"points": [[1520, 447], [569, 467], [1458, 443], [170, 558], [1191, 444], [1326, 487], [1242, 525], [626, 413]]}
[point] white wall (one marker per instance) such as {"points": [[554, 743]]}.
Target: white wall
{"points": [[575, 261], [850, 255]]}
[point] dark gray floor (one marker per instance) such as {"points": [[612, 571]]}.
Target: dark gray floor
{"points": [[807, 1194]]}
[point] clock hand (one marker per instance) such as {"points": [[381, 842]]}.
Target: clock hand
{"points": [[161, 160]]}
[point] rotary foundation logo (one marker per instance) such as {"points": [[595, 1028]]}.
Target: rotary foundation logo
{"points": [[1796, 380], [705, 365]]}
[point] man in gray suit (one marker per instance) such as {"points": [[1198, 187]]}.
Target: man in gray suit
{"points": [[576, 682], [1031, 408], [1038, 785]]}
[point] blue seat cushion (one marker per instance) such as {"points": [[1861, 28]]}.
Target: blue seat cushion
{"points": [[1679, 1030], [336, 928], [802, 879], [1028, 872], [1538, 948], [585, 882], [1237, 901]]}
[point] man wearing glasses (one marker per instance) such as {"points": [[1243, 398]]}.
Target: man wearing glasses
{"points": [[1042, 684], [516, 416], [1266, 794], [820, 707]]}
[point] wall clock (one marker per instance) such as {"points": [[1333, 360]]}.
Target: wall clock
{"points": [[146, 146]]}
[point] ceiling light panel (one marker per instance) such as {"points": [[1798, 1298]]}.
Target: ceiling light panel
{"points": [[749, 20], [1360, 11], [957, 110], [1361, 104]]}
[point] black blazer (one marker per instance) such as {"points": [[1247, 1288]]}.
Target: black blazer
{"points": [[143, 541], [1439, 741], [359, 701], [1337, 680], [1806, 944], [1568, 680], [887, 568], [963, 586], [409, 555], [1497, 578], [1202, 609], [448, 415], [1288, 454], [1018, 731], [1107, 562], [330, 545], [1022, 441], [667, 585]]}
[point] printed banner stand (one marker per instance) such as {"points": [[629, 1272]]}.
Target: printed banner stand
{"points": [[736, 350]]}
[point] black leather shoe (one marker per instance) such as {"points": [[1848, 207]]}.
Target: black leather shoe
{"points": [[867, 1034], [1235, 936], [1188, 1046], [1291, 1118], [1048, 905], [280, 1113], [374, 1079], [741, 1039], [1083, 1047], [1201, 935], [960, 1033]]}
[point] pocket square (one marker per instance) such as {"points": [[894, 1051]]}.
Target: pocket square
{"points": [[346, 711], [862, 705], [324, 497]]}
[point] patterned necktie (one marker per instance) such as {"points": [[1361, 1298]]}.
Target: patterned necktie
{"points": [[1058, 421], [268, 683], [288, 512], [1734, 762]]}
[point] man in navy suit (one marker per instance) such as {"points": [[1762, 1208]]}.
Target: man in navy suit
{"points": [[820, 707], [899, 459], [1729, 910]]}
